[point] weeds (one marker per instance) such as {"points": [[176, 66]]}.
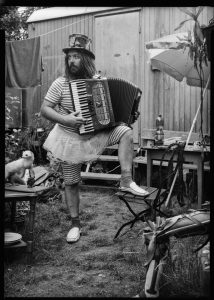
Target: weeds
{"points": [[29, 138], [92, 226], [87, 216], [82, 281], [12, 110], [182, 270], [96, 265], [37, 279], [101, 241]]}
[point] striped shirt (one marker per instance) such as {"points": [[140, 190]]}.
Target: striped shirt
{"points": [[59, 94]]}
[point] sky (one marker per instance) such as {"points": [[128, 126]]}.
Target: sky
{"points": [[21, 8]]}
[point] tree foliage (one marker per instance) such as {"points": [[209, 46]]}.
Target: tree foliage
{"points": [[14, 21]]}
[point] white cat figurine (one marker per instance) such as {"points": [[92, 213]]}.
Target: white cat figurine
{"points": [[15, 170]]}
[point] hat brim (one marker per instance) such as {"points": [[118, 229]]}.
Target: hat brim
{"points": [[66, 50]]}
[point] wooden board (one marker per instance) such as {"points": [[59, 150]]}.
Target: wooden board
{"points": [[25, 189], [100, 176]]}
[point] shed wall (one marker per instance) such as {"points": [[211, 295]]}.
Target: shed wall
{"points": [[161, 94], [53, 40]]}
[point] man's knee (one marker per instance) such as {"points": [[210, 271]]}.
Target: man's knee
{"points": [[72, 192], [71, 185], [128, 136]]}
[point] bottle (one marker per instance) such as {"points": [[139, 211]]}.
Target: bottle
{"points": [[159, 134]]}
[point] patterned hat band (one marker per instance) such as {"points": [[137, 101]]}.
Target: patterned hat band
{"points": [[80, 43]]}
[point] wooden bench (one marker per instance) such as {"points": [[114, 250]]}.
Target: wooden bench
{"points": [[137, 160]]}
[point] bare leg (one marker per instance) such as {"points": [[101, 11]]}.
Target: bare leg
{"points": [[125, 151], [125, 156], [72, 199]]}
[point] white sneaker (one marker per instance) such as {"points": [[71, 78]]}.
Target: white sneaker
{"points": [[134, 189], [73, 235]]}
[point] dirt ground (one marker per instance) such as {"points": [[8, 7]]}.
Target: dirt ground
{"points": [[95, 266]]}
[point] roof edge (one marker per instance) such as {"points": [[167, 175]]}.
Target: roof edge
{"points": [[63, 12]]}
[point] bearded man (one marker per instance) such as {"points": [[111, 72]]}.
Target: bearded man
{"points": [[64, 141]]}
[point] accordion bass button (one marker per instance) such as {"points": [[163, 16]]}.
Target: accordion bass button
{"points": [[98, 103]]}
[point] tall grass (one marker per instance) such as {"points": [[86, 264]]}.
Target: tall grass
{"points": [[182, 271]]}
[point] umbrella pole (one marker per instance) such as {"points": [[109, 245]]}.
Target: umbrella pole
{"points": [[187, 142], [194, 121]]}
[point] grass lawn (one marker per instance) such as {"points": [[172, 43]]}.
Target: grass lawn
{"points": [[97, 265]]}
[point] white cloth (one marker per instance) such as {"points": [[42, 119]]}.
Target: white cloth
{"points": [[73, 148]]}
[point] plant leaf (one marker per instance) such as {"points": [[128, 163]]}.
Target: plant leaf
{"points": [[193, 10], [186, 11], [151, 224], [191, 53], [181, 24], [198, 31], [151, 250], [199, 11]]}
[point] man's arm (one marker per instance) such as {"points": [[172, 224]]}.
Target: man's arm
{"points": [[70, 120]]}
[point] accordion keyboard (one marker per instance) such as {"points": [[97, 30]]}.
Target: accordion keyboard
{"points": [[81, 104]]}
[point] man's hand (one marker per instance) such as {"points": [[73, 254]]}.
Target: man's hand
{"points": [[136, 115], [97, 76], [72, 120]]}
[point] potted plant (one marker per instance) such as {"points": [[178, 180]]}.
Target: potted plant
{"points": [[207, 32], [198, 49], [197, 45]]}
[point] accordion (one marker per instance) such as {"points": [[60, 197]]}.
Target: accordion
{"points": [[105, 102]]}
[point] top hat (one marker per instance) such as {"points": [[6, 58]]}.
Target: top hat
{"points": [[80, 43]]}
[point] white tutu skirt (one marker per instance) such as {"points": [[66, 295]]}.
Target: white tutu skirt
{"points": [[74, 148]]}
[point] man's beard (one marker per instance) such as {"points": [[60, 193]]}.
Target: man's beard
{"points": [[75, 71]]}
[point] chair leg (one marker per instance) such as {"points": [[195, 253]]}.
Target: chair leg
{"points": [[30, 240]]}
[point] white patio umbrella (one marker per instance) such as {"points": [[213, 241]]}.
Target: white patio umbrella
{"points": [[171, 54]]}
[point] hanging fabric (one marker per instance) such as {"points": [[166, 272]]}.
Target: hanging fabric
{"points": [[23, 63]]}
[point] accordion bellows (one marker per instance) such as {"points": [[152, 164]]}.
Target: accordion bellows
{"points": [[105, 102]]}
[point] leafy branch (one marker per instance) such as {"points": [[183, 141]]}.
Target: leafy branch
{"points": [[197, 45], [14, 22]]}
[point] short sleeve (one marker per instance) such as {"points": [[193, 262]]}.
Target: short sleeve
{"points": [[54, 93]]}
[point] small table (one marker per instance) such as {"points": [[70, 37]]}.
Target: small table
{"points": [[191, 155], [23, 193]]}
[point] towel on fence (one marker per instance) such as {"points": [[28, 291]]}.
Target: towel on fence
{"points": [[23, 63]]}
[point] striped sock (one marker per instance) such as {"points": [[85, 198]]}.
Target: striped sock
{"points": [[126, 179]]}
